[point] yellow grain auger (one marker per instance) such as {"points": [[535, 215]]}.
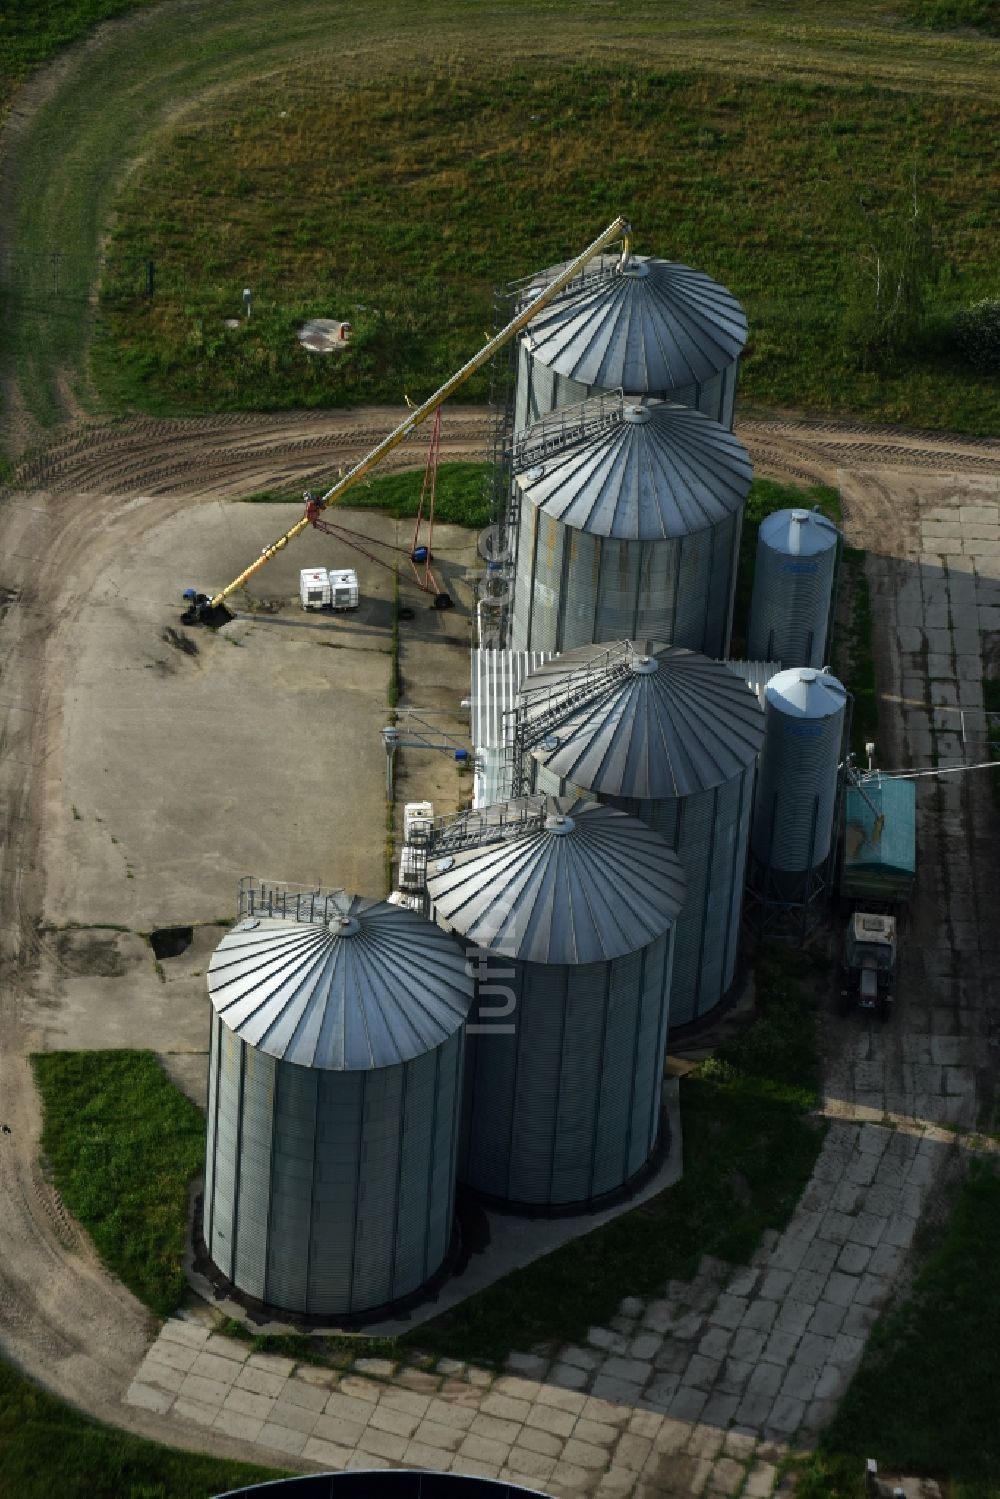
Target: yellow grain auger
{"points": [[210, 609]]}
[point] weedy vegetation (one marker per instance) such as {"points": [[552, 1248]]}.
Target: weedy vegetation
{"points": [[329, 202], [46, 1448], [122, 1144], [897, 1408]]}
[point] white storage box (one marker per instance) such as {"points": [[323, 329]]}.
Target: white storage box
{"points": [[412, 869], [417, 819], [314, 588], [343, 583], [409, 902]]}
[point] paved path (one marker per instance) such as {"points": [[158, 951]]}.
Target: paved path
{"points": [[684, 1394]]}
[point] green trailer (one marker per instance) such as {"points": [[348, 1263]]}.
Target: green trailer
{"points": [[879, 864]]}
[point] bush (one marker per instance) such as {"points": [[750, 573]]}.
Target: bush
{"points": [[949, 15], [977, 334]]}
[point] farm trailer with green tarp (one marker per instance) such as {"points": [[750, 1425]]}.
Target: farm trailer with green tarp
{"points": [[877, 875], [878, 867]]}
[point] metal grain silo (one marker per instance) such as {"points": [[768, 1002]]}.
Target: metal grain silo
{"points": [[629, 518], [804, 713], [672, 738], [637, 323], [792, 588], [334, 1103], [570, 908]]}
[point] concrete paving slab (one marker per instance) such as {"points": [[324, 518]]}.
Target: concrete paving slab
{"points": [[282, 1439]]}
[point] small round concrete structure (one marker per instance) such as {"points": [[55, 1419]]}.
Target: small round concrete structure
{"points": [[323, 335]]}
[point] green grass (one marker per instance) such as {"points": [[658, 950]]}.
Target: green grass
{"points": [[48, 1449], [748, 1154], [767, 496], [123, 1143], [32, 30], [461, 498], [754, 181], [735, 134], [855, 661], [951, 15], [925, 1397]]}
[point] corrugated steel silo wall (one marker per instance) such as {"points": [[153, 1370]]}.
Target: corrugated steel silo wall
{"points": [[572, 588], [564, 1106], [790, 606], [797, 790], [709, 831], [222, 1153], [540, 390], [332, 1192]]}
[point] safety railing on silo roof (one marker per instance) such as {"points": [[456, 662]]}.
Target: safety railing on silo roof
{"points": [[475, 828], [567, 425], [601, 269], [288, 902], [543, 707]]}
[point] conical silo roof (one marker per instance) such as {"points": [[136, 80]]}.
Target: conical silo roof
{"points": [[658, 472], [800, 533], [803, 692], [648, 325], [376, 986], [581, 884], [643, 720]]}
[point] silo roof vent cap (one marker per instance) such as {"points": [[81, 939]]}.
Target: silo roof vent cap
{"points": [[645, 666], [636, 269], [636, 414], [343, 926], [559, 824]]}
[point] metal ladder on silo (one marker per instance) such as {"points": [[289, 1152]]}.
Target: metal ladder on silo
{"points": [[544, 708], [567, 425], [477, 828]]}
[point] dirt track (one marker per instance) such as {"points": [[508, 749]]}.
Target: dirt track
{"points": [[62, 1319]]}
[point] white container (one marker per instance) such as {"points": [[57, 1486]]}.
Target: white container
{"points": [[314, 588], [407, 901], [412, 869], [417, 819], [343, 588]]}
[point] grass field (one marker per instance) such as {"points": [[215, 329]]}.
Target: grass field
{"points": [[406, 178], [47, 1449], [401, 207], [461, 495], [924, 1398], [31, 31], [123, 1144]]}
